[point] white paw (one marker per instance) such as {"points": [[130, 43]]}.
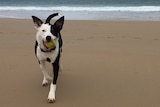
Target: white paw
{"points": [[46, 81], [51, 100], [51, 95]]}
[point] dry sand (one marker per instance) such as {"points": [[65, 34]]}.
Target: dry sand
{"points": [[106, 64]]}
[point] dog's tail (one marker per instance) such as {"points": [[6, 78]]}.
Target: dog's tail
{"points": [[51, 16]]}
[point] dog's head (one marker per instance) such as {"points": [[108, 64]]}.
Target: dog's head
{"points": [[47, 32]]}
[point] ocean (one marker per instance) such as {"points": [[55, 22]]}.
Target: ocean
{"points": [[82, 9]]}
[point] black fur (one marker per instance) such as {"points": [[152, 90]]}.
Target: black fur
{"points": [[48, 60], [35, 48], [56, 68]]}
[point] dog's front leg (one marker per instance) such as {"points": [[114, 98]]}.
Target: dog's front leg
{"points": [[51, 96], [46, 77]]}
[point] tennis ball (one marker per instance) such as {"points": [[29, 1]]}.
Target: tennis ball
{"points": [[50, 44]]}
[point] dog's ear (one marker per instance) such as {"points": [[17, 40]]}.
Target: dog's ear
{"points": [[59, 23], [37, 22]]}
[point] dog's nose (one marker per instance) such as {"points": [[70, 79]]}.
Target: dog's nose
{"points": [[48, 38]]}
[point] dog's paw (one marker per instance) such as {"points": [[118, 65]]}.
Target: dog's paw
{"points": [[51, 100], [46, 81], [51, 95], [45, 84]]}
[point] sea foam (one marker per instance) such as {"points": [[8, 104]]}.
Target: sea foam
{"points": [[72, 8]]}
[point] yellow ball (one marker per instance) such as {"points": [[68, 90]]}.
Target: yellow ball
{"points": [[50, 44]]}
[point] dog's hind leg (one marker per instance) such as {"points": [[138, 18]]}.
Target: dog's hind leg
{"points": [[46, 77]]}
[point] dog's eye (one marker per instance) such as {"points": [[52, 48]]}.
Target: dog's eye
{"points": [[43, 30]]}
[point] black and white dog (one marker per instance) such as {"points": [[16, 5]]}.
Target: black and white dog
{"points": [[46, 34]]}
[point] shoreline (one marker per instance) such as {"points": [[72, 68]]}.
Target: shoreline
{"points": [[86, 15]]}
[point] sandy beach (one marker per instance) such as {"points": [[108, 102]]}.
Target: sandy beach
{"points": [[106, 64]]}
